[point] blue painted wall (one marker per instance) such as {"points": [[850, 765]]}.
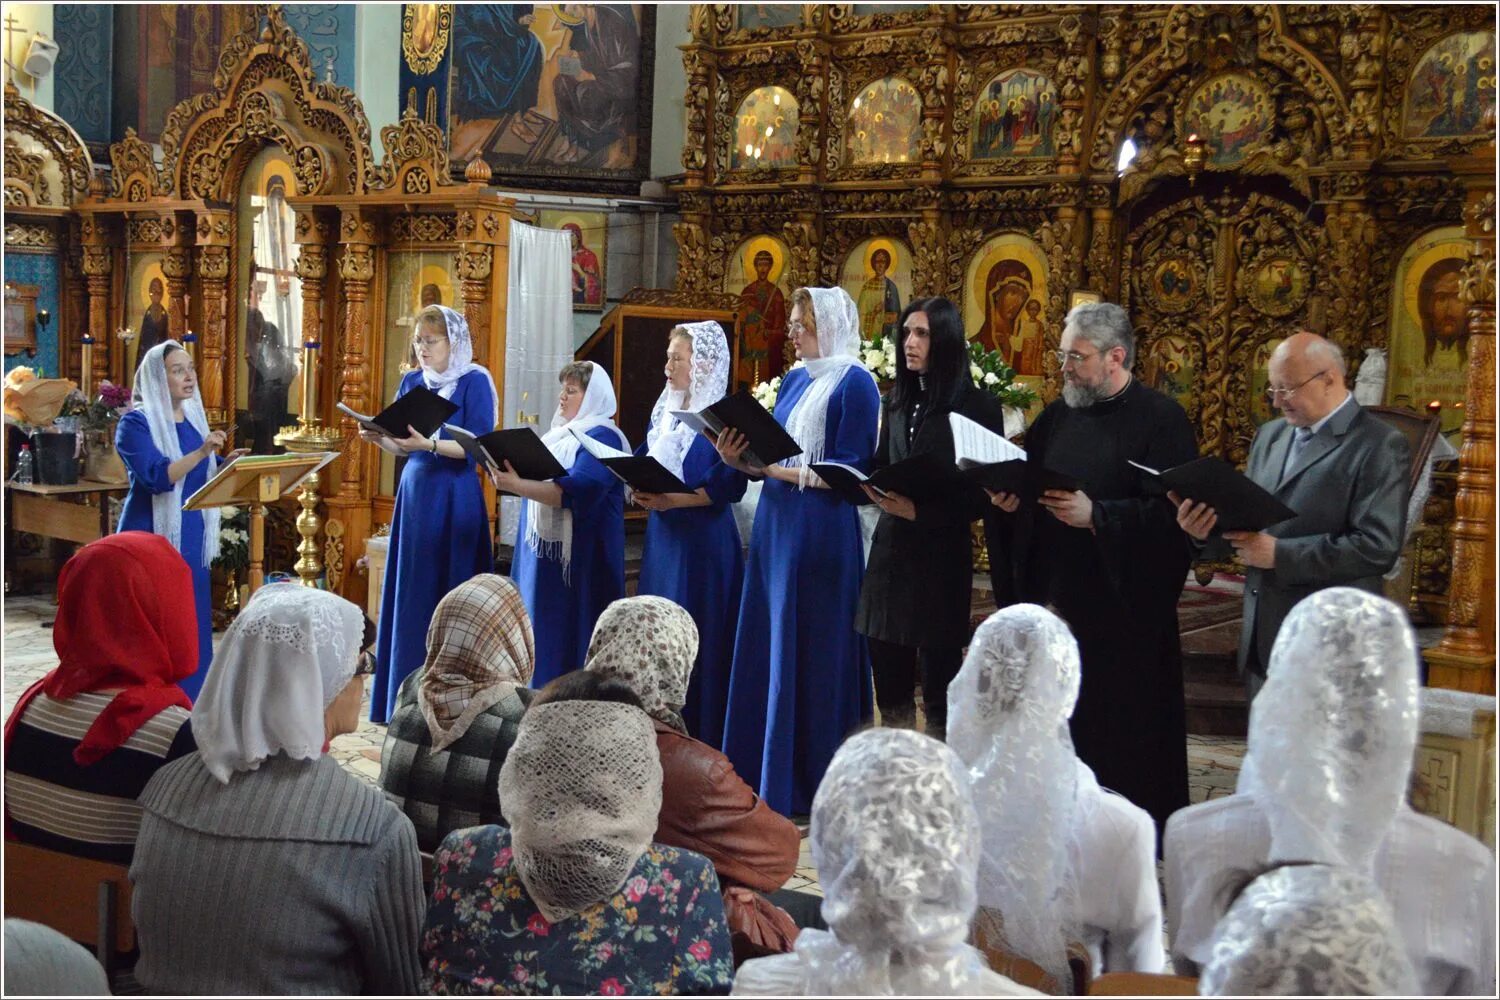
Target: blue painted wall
{"points": [[81, 79], [40, 269], [328, 30]]}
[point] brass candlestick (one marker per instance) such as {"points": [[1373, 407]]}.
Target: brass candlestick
{"points": [[306, 436]]}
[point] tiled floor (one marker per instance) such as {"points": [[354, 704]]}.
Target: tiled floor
{"points": [[1213, 761]]}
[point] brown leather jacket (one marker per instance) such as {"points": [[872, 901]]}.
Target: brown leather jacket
{"points": [[706, 807]]}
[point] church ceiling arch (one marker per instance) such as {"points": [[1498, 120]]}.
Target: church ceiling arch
{"points": [[266, 90], [46, 163]]}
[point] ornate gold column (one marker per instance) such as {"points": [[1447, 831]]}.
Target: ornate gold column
{"points": [[73, 325], [1465, 659], [216, 378], [479, 230], [98, 265], [177, 266]]}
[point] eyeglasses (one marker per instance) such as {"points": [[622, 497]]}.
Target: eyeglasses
{"points": [[1274, 394], [1063, 357], [428, 342], [797, 328]]}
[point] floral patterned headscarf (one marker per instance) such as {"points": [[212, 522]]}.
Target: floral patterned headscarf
{"points": [[650, 644], [479, 649]]}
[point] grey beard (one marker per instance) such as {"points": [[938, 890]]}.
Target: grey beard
{"points": [[1078, 395]]}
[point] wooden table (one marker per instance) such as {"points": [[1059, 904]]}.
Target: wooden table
{"points": [[78, 513]]}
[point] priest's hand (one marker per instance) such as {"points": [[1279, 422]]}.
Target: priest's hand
{"points": [[893, 504], [1008, 502], [1254, 548], [1197, 519], [1074, 509]]}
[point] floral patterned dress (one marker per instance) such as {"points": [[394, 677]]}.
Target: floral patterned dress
{"points": [[663, 933]]}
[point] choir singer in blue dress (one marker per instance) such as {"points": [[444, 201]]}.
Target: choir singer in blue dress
{"points": [[170, 453], [569, 562], [800, 681], [693, 555], [440, 534]]}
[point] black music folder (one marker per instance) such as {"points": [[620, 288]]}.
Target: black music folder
{"points": [[1242, 504], [639, 472], [769, 441], [921, 478], [1015, 476], [420, 408], [522, 447]]}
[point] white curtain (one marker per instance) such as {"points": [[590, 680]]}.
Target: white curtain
{"points": [[538, 335]]}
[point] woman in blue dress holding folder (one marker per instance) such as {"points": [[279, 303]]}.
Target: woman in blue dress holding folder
{"points": [[569, 562], [801, 675], [440, 533], [693, 554]]}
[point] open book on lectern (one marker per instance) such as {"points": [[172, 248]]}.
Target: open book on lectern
{"points": [[267, 477], [641, 473]]}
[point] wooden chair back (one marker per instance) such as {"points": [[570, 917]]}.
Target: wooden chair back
{"points": [[88, 901], [1020, 969], [1420, 430], [1142, 984]]}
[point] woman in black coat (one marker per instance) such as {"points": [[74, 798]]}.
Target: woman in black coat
{"points": [[914, 606]]}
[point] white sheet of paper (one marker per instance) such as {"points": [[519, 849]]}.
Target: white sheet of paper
{"points": [[974, 444]]}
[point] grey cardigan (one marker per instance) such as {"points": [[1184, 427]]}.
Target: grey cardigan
{"points": [[296, 878]]}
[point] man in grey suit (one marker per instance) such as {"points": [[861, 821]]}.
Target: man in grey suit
{"points": [[1342, 470]]}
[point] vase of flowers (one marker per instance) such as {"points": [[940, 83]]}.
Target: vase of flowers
{"points": [[765, 392], [102, 463]]}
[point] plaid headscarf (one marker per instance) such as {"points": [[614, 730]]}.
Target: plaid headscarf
{"points": [[479, 649], [650, 643]]}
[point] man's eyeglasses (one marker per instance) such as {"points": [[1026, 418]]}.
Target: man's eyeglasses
{"points": [[1063, 357], [1274, 394]]}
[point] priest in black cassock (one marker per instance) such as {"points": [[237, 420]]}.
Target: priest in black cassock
{"points": [[1108, 558]]}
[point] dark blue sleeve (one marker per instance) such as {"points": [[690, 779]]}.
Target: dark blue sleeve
{"points": [[722, 483], [588, 482], [147, 465], [476, 404], [853, 418]]}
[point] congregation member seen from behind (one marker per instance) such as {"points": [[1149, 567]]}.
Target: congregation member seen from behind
{"points": [[83, 741], [896, 843], [573, 897], [1309, 930], [457, 717], [649, 644], [263, 867], [1064, 860], [1324, 780]]}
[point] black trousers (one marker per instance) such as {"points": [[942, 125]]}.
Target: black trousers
{"points": [[896, 671]]}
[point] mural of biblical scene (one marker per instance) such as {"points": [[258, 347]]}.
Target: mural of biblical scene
{"points": [[1013, 117], [1005, 303], [769, 15], [1277, 286], [268, 387], [877, 275], [765, 132], [165, 53], [145, 307], [1232, 113], [1261, 409], [1452, 88], [417, 279], [757, 272], [885, 123], [1429, 334], [589, 230], [550, 88], [1170, 366]]}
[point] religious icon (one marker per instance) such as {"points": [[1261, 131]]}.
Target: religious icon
{"points": [[885, 123], [1007, 301], [1429, 333], [877, 275], [765, 130], [1232, 113], [588, 231], [1014, 117], [1452, 88], [1171, 366], [1278, 286], [768, 15], [764, 346], [151, 329], [1175, 284]]}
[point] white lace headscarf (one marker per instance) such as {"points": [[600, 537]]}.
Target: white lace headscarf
{"points": [[668, 440], [1309, 930], [460, 360], [1008, 711], [1333, 730], [896, 843], [837, 320], [650, 644], [549, 530], [581, 790], [289, 653], [152, 395]]}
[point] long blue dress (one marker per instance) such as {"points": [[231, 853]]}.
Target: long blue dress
{"points": [[148, 476], [693, 557], [440, 537], [563, 613], [801, 675]]}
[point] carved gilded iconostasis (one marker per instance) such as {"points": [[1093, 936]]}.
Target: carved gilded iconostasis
{"points": [[1229, 173]]}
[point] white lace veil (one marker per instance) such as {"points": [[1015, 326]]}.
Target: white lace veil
{"points": [[1333, 730], [1008, 712], [460, 361], [549, 530], [649, 643], [581, 790], [1309, 930], [896, 843], [837, 319], [152, 395], [283, 661], [668, 440]]}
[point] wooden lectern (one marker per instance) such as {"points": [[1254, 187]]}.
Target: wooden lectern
{"points": [[257, 480]]}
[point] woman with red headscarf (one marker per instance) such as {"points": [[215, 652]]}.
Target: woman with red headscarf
{"points": [[83, 741]]}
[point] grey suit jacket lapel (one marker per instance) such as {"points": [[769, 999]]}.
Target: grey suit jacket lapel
{"points": [[1323, 442]]}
